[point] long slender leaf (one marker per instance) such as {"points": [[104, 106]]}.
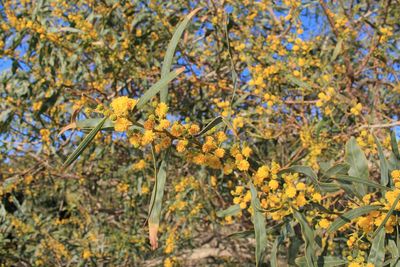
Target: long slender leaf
{"points": [[350, 215], [211, 125], [393, 143], [242, 234], [229, 125], [394, 253], [377, 251], [355, 157], [308, 234], [155, 203], [89, 124], [358, 180], [327, 261], [388, 214], [342, 168], [299, 82], [152, 91], [232, 210], [85, 142], [337, 50], [383, 165], [294, 249], [274, 253], [328, 187], [304, 170], [169, 55], [259, 226]]}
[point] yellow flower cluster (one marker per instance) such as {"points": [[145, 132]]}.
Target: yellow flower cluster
{"points": [[314, 146], [367, 142], [324, 98], [121, 106], [45, 133], [356, 110]]}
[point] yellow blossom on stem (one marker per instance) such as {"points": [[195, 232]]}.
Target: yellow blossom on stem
{"points": [[122, 105], [148, 137], [161, 110], [243, 165], [122, 124]]}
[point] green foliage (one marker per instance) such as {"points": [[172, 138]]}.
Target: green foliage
{"points": [[149, 133]]}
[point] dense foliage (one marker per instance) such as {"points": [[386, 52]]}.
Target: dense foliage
{"points": [[199, 132]]}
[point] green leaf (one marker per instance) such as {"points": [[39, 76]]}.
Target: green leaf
{"points": [[85, 142], [383, 163], [259, 226], [377, 251], [342, 168], [308, 235], [350, 215], [169, 55], [232, 210], [304, 170], [229, 125], [89, 124], [294, 249], [152, 91], [242, 234], [393, 143], [394, 253], [337, 50], [156, 201], [327, 261], [274, 252], [358, 180], [355, 157], [299, 82], [388, 214], [5, 119], [393, 164], [329, 187], [211, 125]]}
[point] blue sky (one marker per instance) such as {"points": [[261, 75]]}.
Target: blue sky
{"points": [[4, 65], [312, 26]]}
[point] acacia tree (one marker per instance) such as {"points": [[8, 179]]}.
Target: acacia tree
{"points": [[198, 123]]}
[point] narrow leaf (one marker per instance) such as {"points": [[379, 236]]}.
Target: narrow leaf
{"points": [[155, 204], [327, 261], [304, 170], [89, 124], [274, 253], [393, 143], [355, 157], [211, 125], [377, 251], [242, 234], [169, 55], [394, 252], [383, 223], [152, 91], [259, 226], [232, 210], [384, 168], [337, 50], [358, 180], [308, 235], [85, 142], [342, 168], [349, 216], [299, 82]]}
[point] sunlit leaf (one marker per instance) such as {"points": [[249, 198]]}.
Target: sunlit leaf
{"points": [[355, 157], [348, 216], [85, 142], [259, 226]]}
